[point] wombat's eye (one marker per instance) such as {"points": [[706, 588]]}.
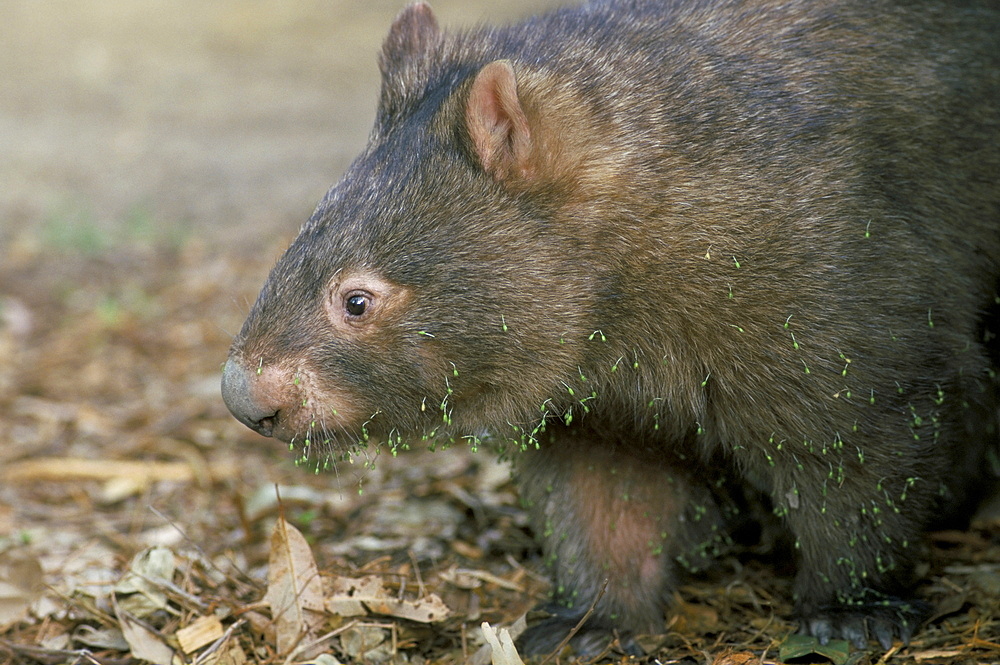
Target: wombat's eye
{"points": [[356, 304]]}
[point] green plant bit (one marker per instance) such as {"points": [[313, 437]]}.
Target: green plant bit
{"points": [[474, 442], [847, 363]]}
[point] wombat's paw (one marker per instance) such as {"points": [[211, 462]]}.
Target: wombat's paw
{"points": [[543, 638], [884, 620]]}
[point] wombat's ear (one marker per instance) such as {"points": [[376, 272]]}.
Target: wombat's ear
{"points": [[497, 123], [412, 33]]}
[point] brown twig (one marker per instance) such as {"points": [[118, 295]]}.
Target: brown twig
{"points": [[579, 624]]}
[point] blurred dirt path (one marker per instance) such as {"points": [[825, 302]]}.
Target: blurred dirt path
{"points": [[230, 117]]}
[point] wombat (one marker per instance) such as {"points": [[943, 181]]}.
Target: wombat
{"points": [[659, 252]]}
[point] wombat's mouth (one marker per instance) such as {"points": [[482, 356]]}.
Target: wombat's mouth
{"points": [[280, 402], [290, 403], [276, 427]]}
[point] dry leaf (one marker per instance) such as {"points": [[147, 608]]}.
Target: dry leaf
{"points": [[139, 593], [144, 642], [121, 478], [694, 618], [346, 607], [935, 654], [230, 654], [104, 638], [739, 658], [428, 609], [461, 579], [120, 488], [353, 597], [66, 468], [504, 652], [20, 584], [294, 590], [350, 594], [267, 499], [326, 659], [466, 578], [367, 643]]}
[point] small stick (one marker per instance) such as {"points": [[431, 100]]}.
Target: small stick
{"points": [[579, 624]]}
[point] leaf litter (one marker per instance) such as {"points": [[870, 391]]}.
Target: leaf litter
{"points": [[140, 523]]}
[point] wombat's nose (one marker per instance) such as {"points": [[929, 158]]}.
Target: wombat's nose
{"points": [[238, 397]]}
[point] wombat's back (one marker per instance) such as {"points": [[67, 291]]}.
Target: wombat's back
{"points": [[760, 170]]}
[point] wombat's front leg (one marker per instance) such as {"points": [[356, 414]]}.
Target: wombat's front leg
{"points": [[604, 511]]}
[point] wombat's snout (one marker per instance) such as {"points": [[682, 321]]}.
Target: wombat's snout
{"points": [[242, 401]]}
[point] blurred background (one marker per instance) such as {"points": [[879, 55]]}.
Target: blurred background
{"points": [[225, 120]]}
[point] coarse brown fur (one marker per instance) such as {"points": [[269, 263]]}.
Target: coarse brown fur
{"points": [[659, 249]]}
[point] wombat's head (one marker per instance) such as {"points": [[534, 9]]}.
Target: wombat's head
{"points": [[435, 288]]}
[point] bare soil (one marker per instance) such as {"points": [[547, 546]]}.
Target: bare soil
{"points": [[155, 158]]}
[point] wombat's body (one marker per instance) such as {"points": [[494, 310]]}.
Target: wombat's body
{"points": [[660, 246]]}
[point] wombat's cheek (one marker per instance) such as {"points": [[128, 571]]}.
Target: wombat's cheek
{"points": [[283, 402]]}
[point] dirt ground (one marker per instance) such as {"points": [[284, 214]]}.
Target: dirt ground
{"points": [[155, 158]]}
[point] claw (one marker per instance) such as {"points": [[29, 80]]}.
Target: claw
{"points": [[882, 622], [883, 633], [821, 630], [855, 634]]}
